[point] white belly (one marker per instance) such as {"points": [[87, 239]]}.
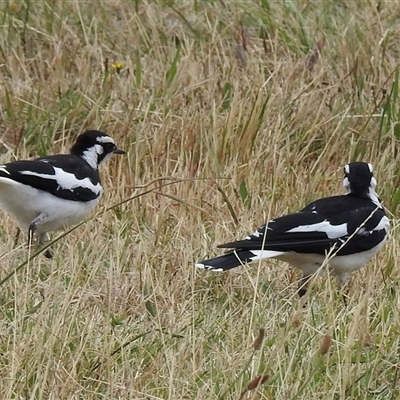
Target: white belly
{"points": [[25, 203], [309, 264]]}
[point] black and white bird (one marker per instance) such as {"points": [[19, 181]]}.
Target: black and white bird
{"points": [[55, 192], [345, 231]]}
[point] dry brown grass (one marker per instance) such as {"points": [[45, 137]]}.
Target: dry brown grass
{"points": [[252, 107]]}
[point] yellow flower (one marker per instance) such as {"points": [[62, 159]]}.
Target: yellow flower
{"points": [[117, 66], [13, 6]]}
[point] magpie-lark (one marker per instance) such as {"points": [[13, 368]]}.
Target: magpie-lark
{"points": [[54, 192], [345, 231]]}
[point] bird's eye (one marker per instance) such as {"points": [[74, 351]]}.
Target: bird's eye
{"points": [[108, 147]]}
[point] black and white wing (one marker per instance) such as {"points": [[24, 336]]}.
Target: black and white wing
{"points": [[339, 225], [299, 233], [331, 223], [65, 176]]}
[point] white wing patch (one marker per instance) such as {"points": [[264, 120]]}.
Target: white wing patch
{"points": [[363, 232], [384, 223], [258, 232], [263, 254], [67, 180], [4, 169], [331, 231]]}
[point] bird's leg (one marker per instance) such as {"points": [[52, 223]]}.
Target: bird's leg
{"points": [[43, 237], [31, 232], [342, 280], [17, 236], [302, 290], [36, 223]]}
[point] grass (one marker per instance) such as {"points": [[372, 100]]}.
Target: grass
{"points": [[231, 112]]}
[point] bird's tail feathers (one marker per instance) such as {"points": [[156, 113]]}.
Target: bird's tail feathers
{"points": [[236, 259]]}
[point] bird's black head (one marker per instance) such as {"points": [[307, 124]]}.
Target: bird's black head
{"points": [[95, 147], [359, 179]]}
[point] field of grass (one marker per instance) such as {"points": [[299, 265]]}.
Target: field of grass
{"points": [[231, 112]]}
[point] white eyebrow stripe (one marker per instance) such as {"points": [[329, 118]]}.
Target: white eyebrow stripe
{"points": [[104, 139]]}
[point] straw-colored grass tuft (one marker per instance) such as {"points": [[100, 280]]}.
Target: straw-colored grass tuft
{"points": [[232, 112]]}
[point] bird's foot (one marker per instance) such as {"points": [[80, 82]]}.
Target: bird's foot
{"points": [[49, 253], [303, 283], [43, 238]]}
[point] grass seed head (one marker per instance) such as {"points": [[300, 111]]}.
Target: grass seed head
{"points": [[259, 339], [257, 381], [326, 344]]}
